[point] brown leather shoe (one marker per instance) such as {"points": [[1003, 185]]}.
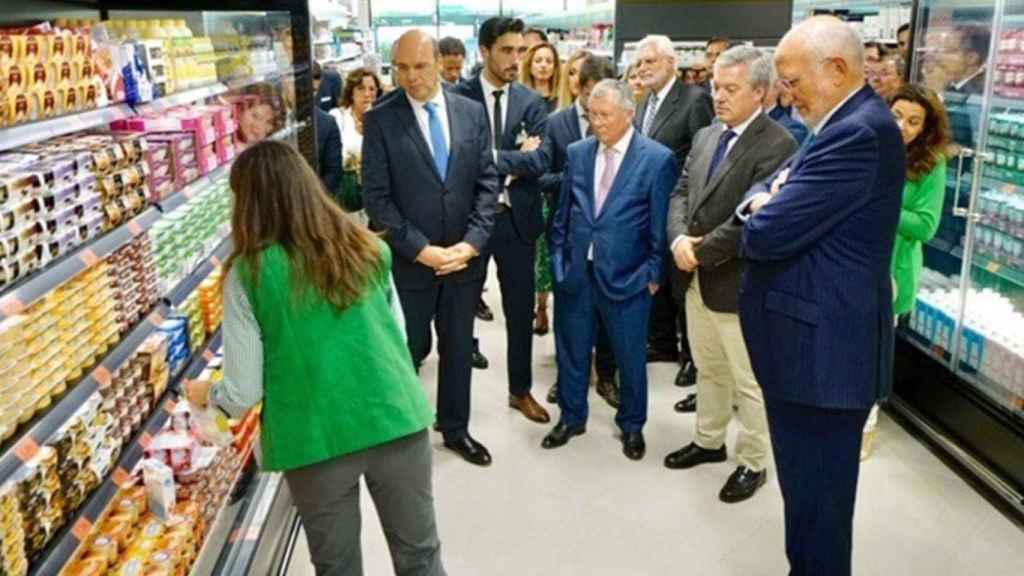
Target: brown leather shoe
{"points": [[530, 408]]}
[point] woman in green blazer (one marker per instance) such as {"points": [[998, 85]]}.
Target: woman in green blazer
{"points": [[925, 127], [306, 290]]}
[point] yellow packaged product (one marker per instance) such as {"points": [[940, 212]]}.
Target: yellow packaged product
{"points": [[106, 548], [89, 566]]}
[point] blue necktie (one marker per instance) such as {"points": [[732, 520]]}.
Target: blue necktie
{"points": [[437, 140], [716, 159]]}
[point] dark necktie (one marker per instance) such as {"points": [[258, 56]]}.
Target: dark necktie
{"points": [[498, 129], [590, 129], [723, 146]]}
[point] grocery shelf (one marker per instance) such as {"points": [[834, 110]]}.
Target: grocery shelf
{"points": [[266, 515], [222, 527], [30, 132], [182, 196], [39, 432], [1004, 271], [64, 547], [18, 296], [188, 285]]}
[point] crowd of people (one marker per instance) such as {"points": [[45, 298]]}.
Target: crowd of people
{"points": [[761, 227]]}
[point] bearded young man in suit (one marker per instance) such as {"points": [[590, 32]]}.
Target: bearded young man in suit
{"points": [[727, 158], [671, 114]]}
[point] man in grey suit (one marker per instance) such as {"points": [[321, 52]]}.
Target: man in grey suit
{"points": [[727, 159], [671, 114]]}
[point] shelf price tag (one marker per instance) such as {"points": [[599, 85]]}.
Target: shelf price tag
{"points": [[993, 267], [156, 318], [89, 258], [26, 448], [103, 376], [81, 529], [11, 305], [121, 477], [134, 228], [208, 355], [145, 440]]}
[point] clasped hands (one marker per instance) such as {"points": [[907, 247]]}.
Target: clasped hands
{"points": [[761, 199], [449, 260]]}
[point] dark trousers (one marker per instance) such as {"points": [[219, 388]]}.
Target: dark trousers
{"points": [[668, 318], [450, 306], [604, 358], [515, 262], [817, 453], [398, 474], [626, 321]]}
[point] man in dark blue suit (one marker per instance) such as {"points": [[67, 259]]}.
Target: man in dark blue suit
{"points": [[518, 118], [564, 128], [429, 184], [607, 250], [782, 113], [816, 301]]}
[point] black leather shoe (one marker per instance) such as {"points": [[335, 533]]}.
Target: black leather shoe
{"points": [[483, 311], [479, 361], [661, 356], [553, 394], [561, 434], [687, 375], [470, 450], [743, 484], [693, 455], [609, 390], [687, 405], [633, 445]]}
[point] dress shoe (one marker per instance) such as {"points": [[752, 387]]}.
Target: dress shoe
{"points": [[483, 311], [530, 408], [561, 434], [541, 325], [687, 375], [553, 394], [609, 390], [661, 356], [687, 405], [693, 455], [470, 450], [480, 361], [743, 484], [633, 445]]}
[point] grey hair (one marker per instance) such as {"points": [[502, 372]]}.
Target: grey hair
{"points": [[621, 91], [830, 37], [661, 44], [760, 71]]}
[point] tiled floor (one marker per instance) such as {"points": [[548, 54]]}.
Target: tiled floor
{"points": [[585, 510]]}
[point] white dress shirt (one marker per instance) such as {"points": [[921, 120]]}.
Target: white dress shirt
{"points": [[739, 130], [581, 116], [351, 139], [620, 148], [423, 118]]}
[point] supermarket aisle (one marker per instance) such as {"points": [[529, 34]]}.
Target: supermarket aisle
{"points": [[586, 510]]}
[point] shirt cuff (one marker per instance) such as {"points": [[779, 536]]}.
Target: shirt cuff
{"points": [[743, 210], [677, 241]]}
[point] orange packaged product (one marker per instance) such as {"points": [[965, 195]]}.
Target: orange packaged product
{"points": [[92, 566], [105, 548], [119, 529]]}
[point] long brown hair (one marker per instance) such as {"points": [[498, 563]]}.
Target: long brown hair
{"points": [[279, 200], [355, 80], [933, 143], [526, 71]]}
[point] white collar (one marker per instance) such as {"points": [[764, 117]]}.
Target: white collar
{"points": [[579, 109], [438, 99], [621, 146], [489, 88], [663, 93], [960, 85], [739, 130], [824, 121]]}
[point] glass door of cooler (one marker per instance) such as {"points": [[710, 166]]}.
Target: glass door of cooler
{"points": [[991, 349], [971, 295], [943, 28]]}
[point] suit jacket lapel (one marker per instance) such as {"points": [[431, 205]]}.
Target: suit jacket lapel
{"points": [[454, 135], [626, 168], [513, 117], [666, 108], [412, 127], [573, 119], [588, 178], [741, 147]]}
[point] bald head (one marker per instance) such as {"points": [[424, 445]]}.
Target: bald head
{"points": [[417, 64], [822, 62]]}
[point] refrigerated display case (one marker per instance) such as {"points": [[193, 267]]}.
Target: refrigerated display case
{"points": [[119, 122], [960, 361]]}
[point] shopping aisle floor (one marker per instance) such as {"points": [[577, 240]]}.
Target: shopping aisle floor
{"points": [[585, 510]]}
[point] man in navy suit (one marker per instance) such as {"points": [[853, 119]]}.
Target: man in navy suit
{"points": [[565, 127], [518, 118], [429, 184], [816, 301], [607, 250], [782, 113]]}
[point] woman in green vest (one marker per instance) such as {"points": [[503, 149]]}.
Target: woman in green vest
{"points": [[925, 127], [313, 329]]}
